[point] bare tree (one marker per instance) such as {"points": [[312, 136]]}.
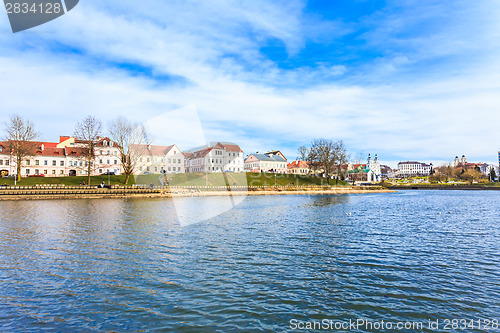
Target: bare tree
{"points": [[88, 132], [132, 140], [341, 158], [325, 156], [303, 153], [20, 135], [471, 175]]}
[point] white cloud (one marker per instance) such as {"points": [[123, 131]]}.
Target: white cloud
{"points": [[247, 98]]}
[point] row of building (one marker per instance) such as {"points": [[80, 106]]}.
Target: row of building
{"points": [[68, 157]]}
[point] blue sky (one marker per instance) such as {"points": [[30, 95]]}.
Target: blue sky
{"points": [[414, 80]]}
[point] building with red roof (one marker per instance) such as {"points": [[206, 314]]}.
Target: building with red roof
{"points": [[216, 157]]}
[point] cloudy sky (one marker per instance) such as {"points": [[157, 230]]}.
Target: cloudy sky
{"points": [[406, 79]]}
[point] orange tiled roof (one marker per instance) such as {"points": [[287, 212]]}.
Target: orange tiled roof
{"points": [[297, 164]]}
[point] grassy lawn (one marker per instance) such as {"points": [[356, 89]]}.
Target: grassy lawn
{"points": [[186, 179], [70, 181]]}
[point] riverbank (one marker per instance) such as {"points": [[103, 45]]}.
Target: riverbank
{"points": [[446, 187], [92, 192], [338, 190]]}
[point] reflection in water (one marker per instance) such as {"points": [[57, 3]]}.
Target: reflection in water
{"points": [[128, 265], [320, 201]]}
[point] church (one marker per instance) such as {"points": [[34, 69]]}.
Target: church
{"points": [[369, 172]]}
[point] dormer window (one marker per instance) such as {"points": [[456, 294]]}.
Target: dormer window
{"points": [[105, 143]]}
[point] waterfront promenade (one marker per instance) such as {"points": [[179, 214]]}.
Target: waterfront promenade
{"points": [[80, 192]]}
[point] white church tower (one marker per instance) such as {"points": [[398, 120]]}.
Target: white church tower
{"points": [[374, 169]]}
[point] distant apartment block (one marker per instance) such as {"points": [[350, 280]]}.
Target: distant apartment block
{"points": [[411, 169], [273, 161], [217, 157]]}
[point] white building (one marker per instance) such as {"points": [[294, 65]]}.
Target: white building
{"points": [[273, 161], [159, 159], [374, 174], [486, 168], [411, 169], [68, 157], [217, 157]]}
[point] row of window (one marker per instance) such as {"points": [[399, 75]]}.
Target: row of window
{"points": [[115, 153], [45, 162], [161, 169], [45, 172]]}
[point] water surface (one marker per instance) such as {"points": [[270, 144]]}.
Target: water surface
{"points": [[127, 265]]}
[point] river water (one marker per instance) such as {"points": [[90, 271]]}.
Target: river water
{"points": [[273, 263]]}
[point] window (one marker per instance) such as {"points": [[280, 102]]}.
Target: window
{"points": [[179, 169], [62, 172], [107, 161], [102, 152], [108, 152], [53, 172], [100, 170], [45, 172], [70, 163], [54, 163], [62, 163], [6, 162], [147, 160], [27, 162], [37, 172], [27, 171], [147, 169], [115, 153], [169, 160], [156, 168], [37, 162], [179, 161], [116, 162], [1, 162], [140, 168], [169, 169], [100, 161]]}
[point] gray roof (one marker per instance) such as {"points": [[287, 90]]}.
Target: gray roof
{"points": [[269, 158]]}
